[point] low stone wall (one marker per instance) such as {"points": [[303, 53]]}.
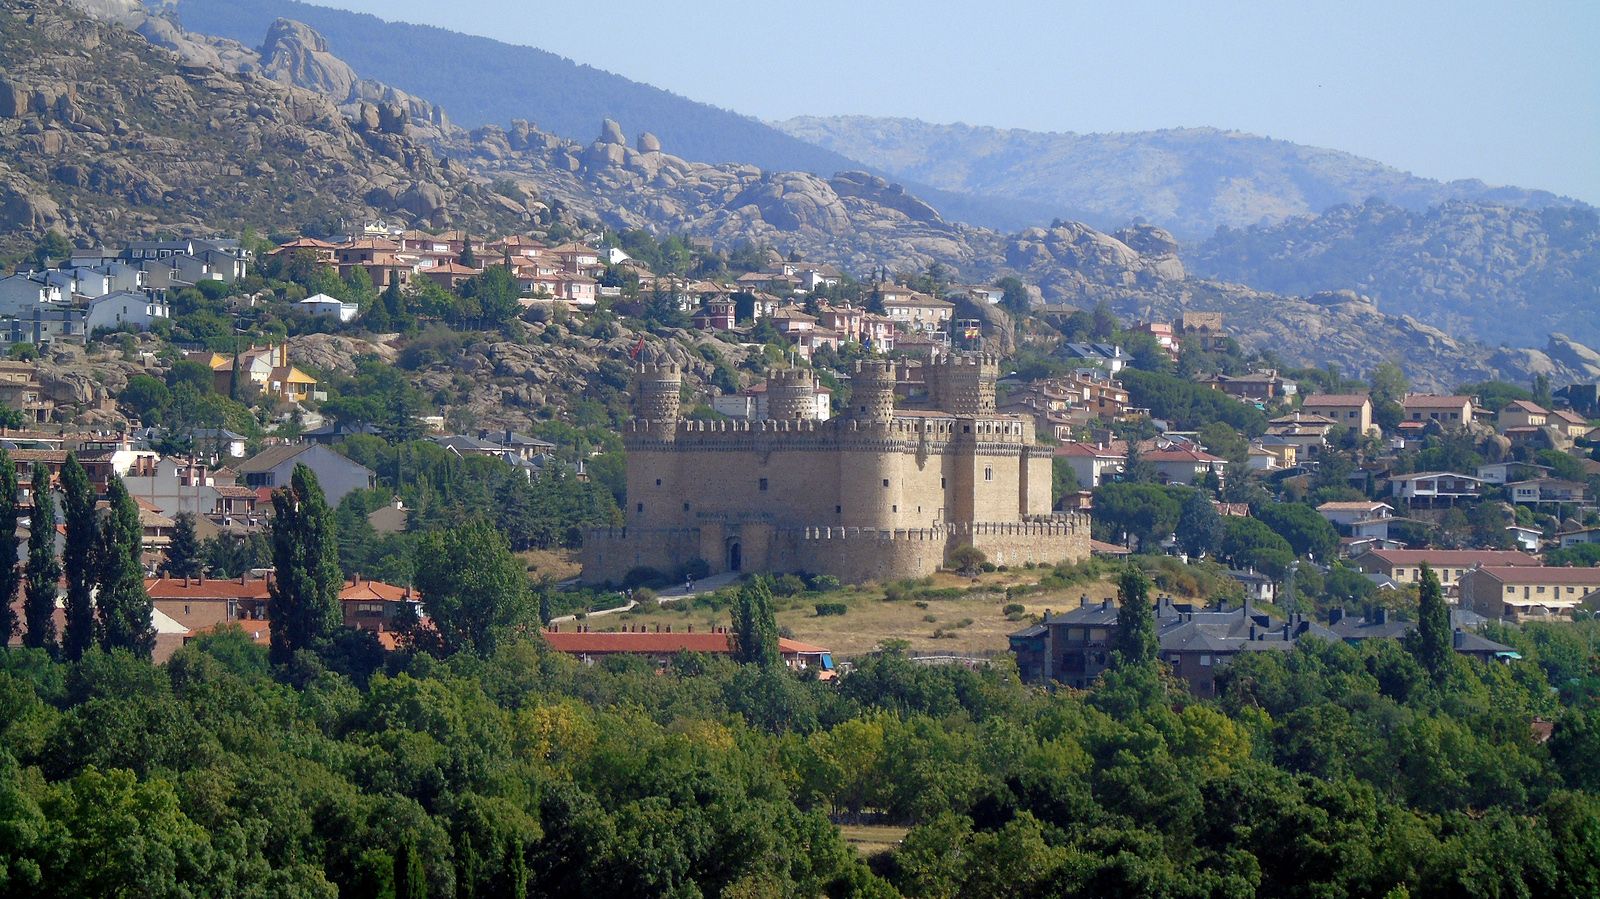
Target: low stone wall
{"points": [[610, 553]]}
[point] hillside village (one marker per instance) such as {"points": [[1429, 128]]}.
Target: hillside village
{"points": [[238, 360]]}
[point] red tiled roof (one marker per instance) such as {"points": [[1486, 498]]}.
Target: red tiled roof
{"points": [[372, 591], [1540, 574], [208, 588], [1336, 399], [1525, 406], [1455, 558], [1180, 455], [1431, 401]]}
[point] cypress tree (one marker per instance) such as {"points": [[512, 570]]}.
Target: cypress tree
{"points": [[183, 553], [1433, 643], [10, 572], [123, 601], [78, 559], [303, 604], [44, 569], [755, 627], [1135, 639], [410, 881]]}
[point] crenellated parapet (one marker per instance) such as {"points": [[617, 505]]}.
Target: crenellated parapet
{"points": [[963, 384], [658, 397]]}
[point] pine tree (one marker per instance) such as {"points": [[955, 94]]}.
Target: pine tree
{"points": [[78, 558], [303, 604], [410, 881], [124, 603], [10, 574], [1433, 642], [183, 552], [44, 569], [468, 259], [1135, 639], [755, 627]]}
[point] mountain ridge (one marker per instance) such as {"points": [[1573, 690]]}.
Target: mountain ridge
{"points": [[1187, 180]]}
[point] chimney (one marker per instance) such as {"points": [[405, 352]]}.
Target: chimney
{"points": [[186, 580]]}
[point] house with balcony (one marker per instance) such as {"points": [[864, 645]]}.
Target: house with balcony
{"points": [[1435, 488], [1529, 593], [1361, 518], [1449, 411]]}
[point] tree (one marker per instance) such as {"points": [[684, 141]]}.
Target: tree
{"points": [[1014, 297], [1199, 529], [183, 551], [468, 258], [1308, 533], [83, 540], [1136, 470], [755, 627], [1433, 642], [410, 881], [1143, 511], [124, 604], [1388, 389], [474, 589], [303, 601], [966, 559], [1135, 639], [44, 570], [10, 574]]}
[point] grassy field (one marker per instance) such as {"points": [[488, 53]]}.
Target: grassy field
{"points": [[871, 839], [554, 564]]}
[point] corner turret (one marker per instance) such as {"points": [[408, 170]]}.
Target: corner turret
{"points": [[964, 384], [791, 394], [872, 392], [657, 398]]}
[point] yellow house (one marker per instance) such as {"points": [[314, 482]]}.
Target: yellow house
{"points": [[267, 368], [1350, 410]]}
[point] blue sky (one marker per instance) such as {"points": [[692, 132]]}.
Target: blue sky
{"points": [[1506, 92]]}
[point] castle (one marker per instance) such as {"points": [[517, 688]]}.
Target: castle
{"points": [[878, 493]]}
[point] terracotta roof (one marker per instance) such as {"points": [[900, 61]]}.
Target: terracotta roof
{"points": [[1085, 451], [207, 588], [1354, 506], [1540, 574], [1336, 399], [373, 591], [1525, 406], [1431, 401], [1570, 417], [230, 491], [1455, 558]]}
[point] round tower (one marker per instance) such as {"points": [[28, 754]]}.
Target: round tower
{"points": [[791, 394], [872, 392], [657, 397]]}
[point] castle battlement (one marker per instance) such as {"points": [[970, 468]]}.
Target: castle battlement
{"points": [[857, 534]]}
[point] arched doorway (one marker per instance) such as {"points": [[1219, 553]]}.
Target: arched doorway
{"points": [[735, 555]]}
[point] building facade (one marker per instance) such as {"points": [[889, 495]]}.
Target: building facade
{"points": [[877, 493]]}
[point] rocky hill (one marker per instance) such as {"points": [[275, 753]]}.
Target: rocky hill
{"points": [[1501, 274], [105, 136], [1188, 180], [289, 156]]}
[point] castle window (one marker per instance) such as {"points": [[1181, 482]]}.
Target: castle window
{"points": [[641, 507], [894, 508], [885, 482], [941, 483], [966, 429], [763, 483], [988, 473], [685, 507], [658, 482], [838, 509]]}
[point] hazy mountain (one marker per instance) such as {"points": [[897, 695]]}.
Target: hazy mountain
{"points": [[1498, 273], [1188, 181]]}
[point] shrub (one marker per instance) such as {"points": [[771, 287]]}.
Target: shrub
{"points": [[921, 604], [965, 622], [1014, 608], [824, 583], [645, 596], [645, 576], [966, 559], [830, 608], [788, 585], [696, 568], [987, 567], [930, 618]]}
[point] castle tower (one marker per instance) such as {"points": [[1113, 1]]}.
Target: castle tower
{"points": [[657, 398], [964, 385], [791, 394], [872, 392]]}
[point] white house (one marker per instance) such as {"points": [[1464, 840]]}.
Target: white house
{"points": [[1092, 464], [124, 308], [1436, 488], [337, 474], [320, 304], [1364, 518], [1579, 537]]}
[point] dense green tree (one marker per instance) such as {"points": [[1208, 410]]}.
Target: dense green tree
{"points": [[1308, 533], [80, 557], [1248, 542], [303, 602], [10, 571], [1199, 527], [1014, 296], [44, 569], [410, 881], [122, 601], [755, 626], [475, 591], [183, 550], [1433, 642], [1134, 642], [1145, 512]]}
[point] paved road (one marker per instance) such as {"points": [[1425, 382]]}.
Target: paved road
{"points": [[709, 585]]}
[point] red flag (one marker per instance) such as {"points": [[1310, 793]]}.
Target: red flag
{"points": [[637, 349]]}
